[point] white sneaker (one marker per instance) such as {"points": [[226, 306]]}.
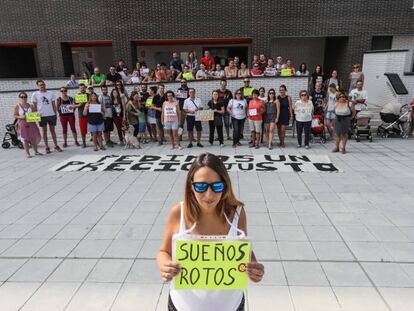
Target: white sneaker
{"points": [[221, 145], [307, 147], [299, 146]]}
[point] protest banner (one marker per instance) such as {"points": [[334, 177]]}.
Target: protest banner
{"points": [[212, 264], [204, 115], [33, 117]]}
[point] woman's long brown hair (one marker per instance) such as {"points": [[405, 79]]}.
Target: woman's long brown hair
{"points": [[228, 201]]}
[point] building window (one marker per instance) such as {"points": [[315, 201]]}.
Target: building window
{"points": [[381, 43]]}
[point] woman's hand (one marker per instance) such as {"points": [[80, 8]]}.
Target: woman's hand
{"points": [[169, 270], [255, 271]]}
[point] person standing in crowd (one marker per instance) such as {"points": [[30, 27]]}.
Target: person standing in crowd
{"points": [[84, 79], [255, 59], [45, 103], [217, 106], [208, 61], [289, 65], [182, 95], [231, 70], [161, 73], [121, 90], [170, 117], [255, 114], [192, 62], [151, 77], [121, 65], [142, 119], [318, 98], [118, 113], [271, 116], [65, 105], [303, 113], [279, 64], [355, 75], [285, 109], [256, 71], [133, 113], [112, 77], [98, 78], [202, 73], [237, 62], [317, 76], [334, 79], [176, 62], [144, 92], [191, 105], [330, 110], [144, 70], [303, 70], [151, 119], [262, 62], [237, 109], [218, 73], [270, 70], [243, 72], [94, 113], [262, 94], [80, 101], [27, 131], [224, 96], [186, 74], [72, 81], [343, 115], [126, 76], [157, 103], [106, 101], [211, 207], [359, 97], [135, 78]]}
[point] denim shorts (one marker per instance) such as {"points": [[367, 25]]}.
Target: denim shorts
{"points": [[141, 127], [92, 128], [171, 125]]}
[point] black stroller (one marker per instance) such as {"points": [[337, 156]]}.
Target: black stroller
{"points": [[394, 124], [10, 137]]}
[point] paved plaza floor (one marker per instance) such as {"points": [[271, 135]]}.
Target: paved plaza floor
{"points": [[83, 241]]}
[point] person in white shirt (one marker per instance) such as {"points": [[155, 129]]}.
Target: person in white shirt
{"points": [[303, 112], [202, 73], [191, 105], [359, 97], [45, 103], [237, 110]]}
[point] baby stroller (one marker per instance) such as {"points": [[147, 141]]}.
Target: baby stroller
{"points": [[395, 124], [11, 136], [318, 128], [361, 126]]}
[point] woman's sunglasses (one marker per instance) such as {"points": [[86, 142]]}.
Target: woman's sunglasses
{"points": [[303, 95], [23, 96], [201, 187]]}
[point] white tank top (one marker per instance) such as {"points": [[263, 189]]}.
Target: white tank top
{"points": [[22, 111], [207, 300]]}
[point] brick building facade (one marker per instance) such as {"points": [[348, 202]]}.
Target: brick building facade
{"points": [[343, 30]]}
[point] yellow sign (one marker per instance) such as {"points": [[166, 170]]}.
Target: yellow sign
{"points": [[188, 76], [247, 91], [212, 265], [84, 81], [286, 72], [81, 98], [148, 102], [33, 117], [204, 115]]}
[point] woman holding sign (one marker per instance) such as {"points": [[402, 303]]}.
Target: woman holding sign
{"points": [[211, 212], [95, 112], [27, 129], [217, 123], [65, 107], [170, 116]]}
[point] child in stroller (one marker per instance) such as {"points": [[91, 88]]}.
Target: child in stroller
{"points": [[318, 124], [396, 120], [10, 137]]}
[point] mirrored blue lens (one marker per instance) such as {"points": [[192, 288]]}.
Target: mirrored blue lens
{"points": [[218, 186], [200, 186]]}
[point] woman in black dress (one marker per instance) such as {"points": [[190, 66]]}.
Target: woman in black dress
{"points": [[285, 114]]}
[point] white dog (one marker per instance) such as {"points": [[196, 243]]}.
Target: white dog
{"points": [[129, 139]]}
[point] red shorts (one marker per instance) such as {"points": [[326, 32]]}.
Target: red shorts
{"points": [[65, 119], [83, 125]]}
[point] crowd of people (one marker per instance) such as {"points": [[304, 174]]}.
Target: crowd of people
{"points": [[147, 113]]}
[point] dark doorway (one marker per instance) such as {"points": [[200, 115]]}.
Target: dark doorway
{"points": [[17, 62], [335, 49], [222, 54]]}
